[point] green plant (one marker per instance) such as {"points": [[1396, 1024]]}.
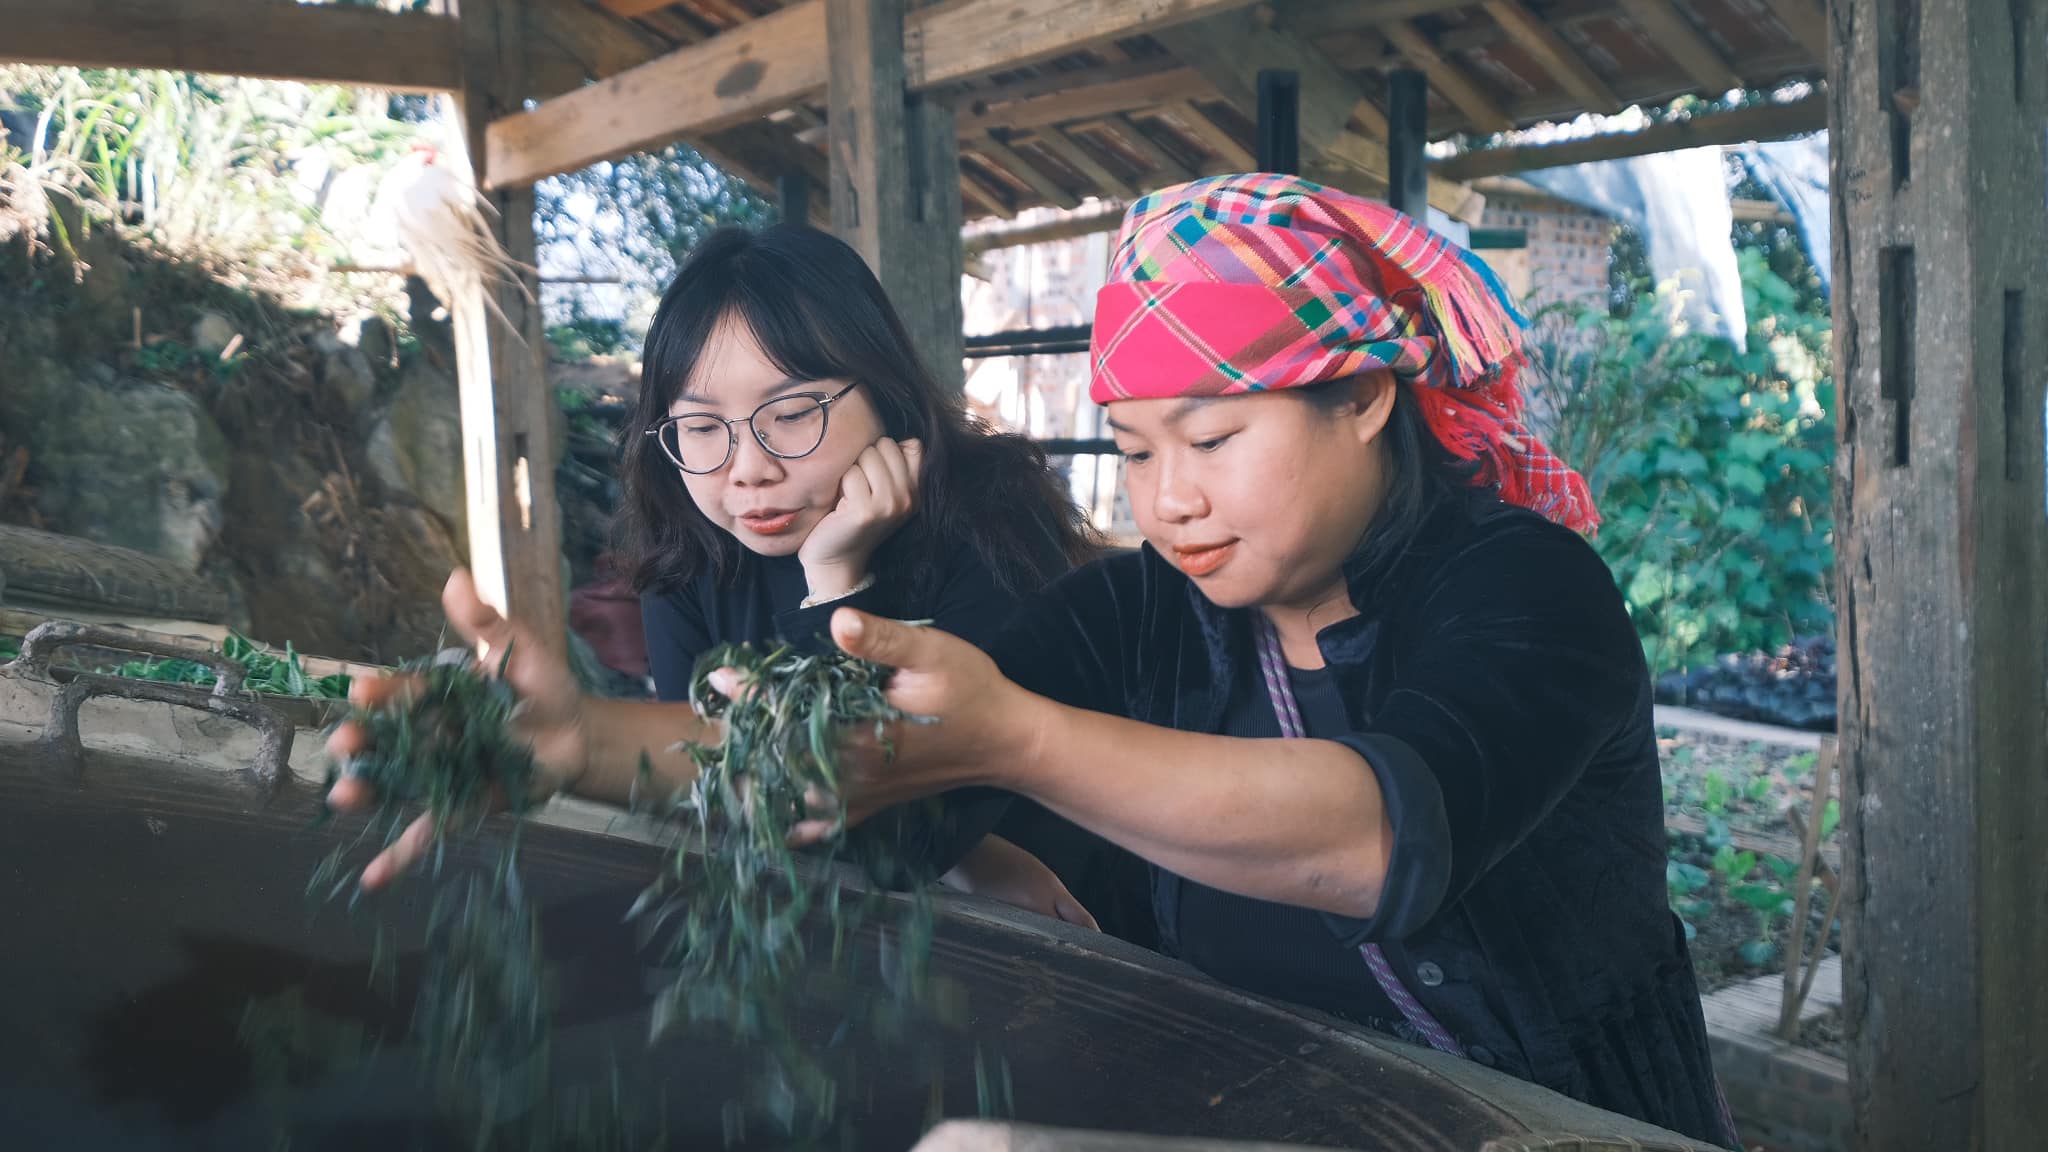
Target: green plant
{"points": [[263, 671], [1683, 882], [1710, 466], [1715, 792]]}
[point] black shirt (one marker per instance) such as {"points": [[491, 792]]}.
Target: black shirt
{"points": [[1493, 684], [1279, 950]]}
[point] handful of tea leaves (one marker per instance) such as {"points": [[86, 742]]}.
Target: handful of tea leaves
{"points": [[751, 929]]}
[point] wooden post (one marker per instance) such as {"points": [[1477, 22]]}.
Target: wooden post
{"points": [[1408, 133], [508, 417], [1279, 132], [1941, 345], [896, 177]]}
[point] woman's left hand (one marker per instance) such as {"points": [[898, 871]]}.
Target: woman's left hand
{"points": [[970, 720], [876, 496]]}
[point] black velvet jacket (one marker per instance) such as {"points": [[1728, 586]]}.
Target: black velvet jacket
{"points": [[1497, 690]]}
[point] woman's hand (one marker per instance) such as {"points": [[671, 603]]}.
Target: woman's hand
{"points": [[550, 716], [876, 496], [1002, 871], [969, 720]]}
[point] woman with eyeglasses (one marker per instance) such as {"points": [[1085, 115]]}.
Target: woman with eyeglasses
{"points": [[790, 456]]}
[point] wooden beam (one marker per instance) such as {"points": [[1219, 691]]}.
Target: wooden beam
{"points": [[1807, 23], [1548, 49], [1104, 217], [273, 39], [964, 39], [600, 44], [1011, 161], [1050, 82], [631, 8], [1317, 18], [1075, 156], [508, 413], [1231, 50], [1757, 122], [1235, 156], [1671, 31], [729, 79], [1128, 133], [1086, 103], [1940, 362], [895, 166], [1446, 77]]}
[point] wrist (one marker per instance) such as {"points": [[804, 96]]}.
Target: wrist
{"points": [[831, 580], [1023, 744]]}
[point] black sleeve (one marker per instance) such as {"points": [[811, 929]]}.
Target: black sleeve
{"points": [[676, 636], [1068, 642], [973, 605], [1521, 665]]}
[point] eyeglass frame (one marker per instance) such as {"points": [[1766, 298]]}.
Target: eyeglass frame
{"points": [[732, 442]]}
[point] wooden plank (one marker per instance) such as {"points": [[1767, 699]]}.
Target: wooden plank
{"points": [[1106, 217], [273, 39], [1073, 155], [630, 8], [1235, 156], [1668, 28], [1807, 23], [508, 413], [600, 44], [895, 168], [1446, 77], [1941, 539], [1317, 18], [1086, 103], [1011, 161], [1128, 133], [1232, 49], [1556, 57], [729, 79], [1757, 122], [966, 38], [1052, 82]]}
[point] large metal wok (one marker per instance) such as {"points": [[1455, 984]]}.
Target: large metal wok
{"points": [[152, 885]]}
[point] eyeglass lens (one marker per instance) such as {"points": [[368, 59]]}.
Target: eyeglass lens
{"points": [[789, 427]]}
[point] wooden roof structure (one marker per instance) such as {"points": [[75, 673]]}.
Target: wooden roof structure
{"points": [[1056, 100]]}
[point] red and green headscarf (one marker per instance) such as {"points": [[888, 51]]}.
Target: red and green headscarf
{"points": [[1243, 283]]}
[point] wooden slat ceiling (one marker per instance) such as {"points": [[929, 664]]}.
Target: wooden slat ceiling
{"points": [[1129, 116]]}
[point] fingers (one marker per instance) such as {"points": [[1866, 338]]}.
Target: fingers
{"points": [[895, 464], [403, 853], [476, 621], [351, 794], [882, 640], [913, 459], [1069, 909]]}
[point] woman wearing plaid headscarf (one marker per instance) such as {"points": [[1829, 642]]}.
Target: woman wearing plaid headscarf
{"points": [[1367, 700]]}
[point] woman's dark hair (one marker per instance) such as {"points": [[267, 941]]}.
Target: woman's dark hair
{"points": [[818, 313], [1421, 473]]}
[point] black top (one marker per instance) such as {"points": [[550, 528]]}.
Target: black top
{"points": [[758, 603], [1493, 684], [1279, 950]]}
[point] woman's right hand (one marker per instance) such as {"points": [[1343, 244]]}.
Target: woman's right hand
{"points": [[550, 717]]}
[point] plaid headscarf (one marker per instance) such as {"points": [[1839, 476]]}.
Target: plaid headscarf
{"points": [[1242, 283]]}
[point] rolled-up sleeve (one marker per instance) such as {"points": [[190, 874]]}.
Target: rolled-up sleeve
{"points": [[1521, 666]]}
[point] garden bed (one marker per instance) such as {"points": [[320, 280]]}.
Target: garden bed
{"points": [[1733, 856]]}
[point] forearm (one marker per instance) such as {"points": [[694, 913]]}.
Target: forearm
{"points": [[619, 733], [1298, 822]]}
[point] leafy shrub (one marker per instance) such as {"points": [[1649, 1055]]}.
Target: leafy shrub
{"points": [[1711, 467]]}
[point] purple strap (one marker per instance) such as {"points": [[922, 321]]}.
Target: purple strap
{"points": [[1273, 666]]}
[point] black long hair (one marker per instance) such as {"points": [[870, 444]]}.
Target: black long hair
{"points": [[818, 313], [1422, 475]]}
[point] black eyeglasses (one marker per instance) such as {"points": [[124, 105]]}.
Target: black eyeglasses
{"points": [[788, 427]]}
